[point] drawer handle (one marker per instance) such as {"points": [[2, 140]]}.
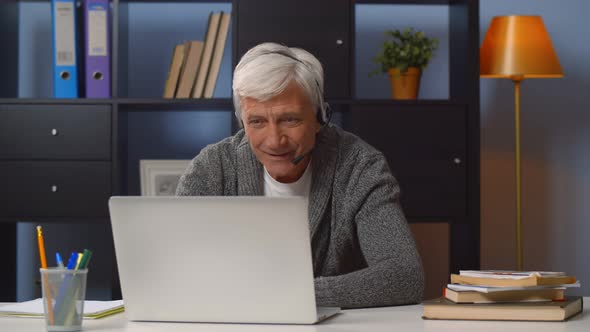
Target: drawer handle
{"points": [[53, 189], [457, 160], [54, 132], [339, 42]]}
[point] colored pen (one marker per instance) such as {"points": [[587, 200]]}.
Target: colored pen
{"points": [[85, 259], [41, 244], [78, 260], [60, 263], [72, 261]]}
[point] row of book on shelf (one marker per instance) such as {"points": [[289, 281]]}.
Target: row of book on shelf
{"points": [[195, 64], [81, 48], [506, 295]]}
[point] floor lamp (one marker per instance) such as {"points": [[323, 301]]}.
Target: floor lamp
{"points": [[518, 47]]}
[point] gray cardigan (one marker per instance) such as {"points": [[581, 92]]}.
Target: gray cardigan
{"points": [[363, 252]]}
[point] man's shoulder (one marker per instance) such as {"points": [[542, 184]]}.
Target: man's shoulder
{"points": [[353, 148], [356, 161], [227, 147]]}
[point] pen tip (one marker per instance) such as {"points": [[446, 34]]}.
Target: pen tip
{"points": [[39, 230]]}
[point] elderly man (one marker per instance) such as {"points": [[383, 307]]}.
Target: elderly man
{"points": [[363, 252]]}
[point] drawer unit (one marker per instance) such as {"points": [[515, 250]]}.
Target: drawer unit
{"points": [[54, 189], [55, 132], [426, 151]]}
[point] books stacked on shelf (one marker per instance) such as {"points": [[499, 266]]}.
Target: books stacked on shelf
{"points": [[195, 65], [193, 53], [506, 295]]}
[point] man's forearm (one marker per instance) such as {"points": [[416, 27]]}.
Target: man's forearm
{"points": [[389, 282]]}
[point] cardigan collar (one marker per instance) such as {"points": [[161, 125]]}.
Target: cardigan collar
{"points": [[323, 161], [250, 172]]}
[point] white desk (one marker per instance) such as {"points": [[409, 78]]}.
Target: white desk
{"points": [[404, 318]]}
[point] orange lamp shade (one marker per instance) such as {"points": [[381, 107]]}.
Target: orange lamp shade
{"points": [[518, 46]]}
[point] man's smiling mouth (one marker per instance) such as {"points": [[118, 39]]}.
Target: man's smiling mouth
{"points": [[279, 155]]}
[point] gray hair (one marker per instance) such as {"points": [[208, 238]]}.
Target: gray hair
{"points": [[267, 69]]}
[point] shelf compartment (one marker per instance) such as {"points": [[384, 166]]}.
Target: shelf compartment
{"points": [[370, 23], [145, 35], [165, 135], [34, 66]]}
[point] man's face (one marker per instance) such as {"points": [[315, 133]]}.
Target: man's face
{"points": [[281, 129]]}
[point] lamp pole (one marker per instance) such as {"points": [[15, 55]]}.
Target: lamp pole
{"points": [[517, 79]]}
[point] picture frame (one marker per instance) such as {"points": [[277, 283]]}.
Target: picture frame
{"points": [[159, 177]]}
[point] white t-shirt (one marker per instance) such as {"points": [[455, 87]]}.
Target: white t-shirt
{"points": [[301, 187]]}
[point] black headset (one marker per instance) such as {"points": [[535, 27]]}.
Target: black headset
{"points": [[324, 108]]}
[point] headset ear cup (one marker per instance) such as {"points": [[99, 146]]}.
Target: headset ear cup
{"points": [[328, 113]]}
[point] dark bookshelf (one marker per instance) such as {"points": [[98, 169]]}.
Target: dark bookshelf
{"points": [[405, 2], [432, 144]]}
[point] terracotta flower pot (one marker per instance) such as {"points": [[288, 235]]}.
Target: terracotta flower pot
{"points": [[405, 85]]}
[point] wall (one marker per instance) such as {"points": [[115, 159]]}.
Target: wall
{"points": [[555, 117]]}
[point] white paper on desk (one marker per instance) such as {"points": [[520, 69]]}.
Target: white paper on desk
{"points": [[485, 289], [34, 308]]}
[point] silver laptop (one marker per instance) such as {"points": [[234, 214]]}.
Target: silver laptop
{"points": [[215, 259]]}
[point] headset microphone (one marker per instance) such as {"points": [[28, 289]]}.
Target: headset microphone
{"points": [[300, 157]]}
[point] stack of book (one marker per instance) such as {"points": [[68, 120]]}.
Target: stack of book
{"points": [[506, 295], [195, 64]]}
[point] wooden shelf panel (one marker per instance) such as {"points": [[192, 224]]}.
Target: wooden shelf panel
{"points": [[393, 102], [140, 105], [131, 104], [404, 2], [58, 220], [55, 101], [177, 1], [226, 104]]}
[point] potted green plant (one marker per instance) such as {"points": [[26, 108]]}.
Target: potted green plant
{"points": [[403, 56]]}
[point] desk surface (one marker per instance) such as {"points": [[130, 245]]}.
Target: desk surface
{"points": [[403, 318]]}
